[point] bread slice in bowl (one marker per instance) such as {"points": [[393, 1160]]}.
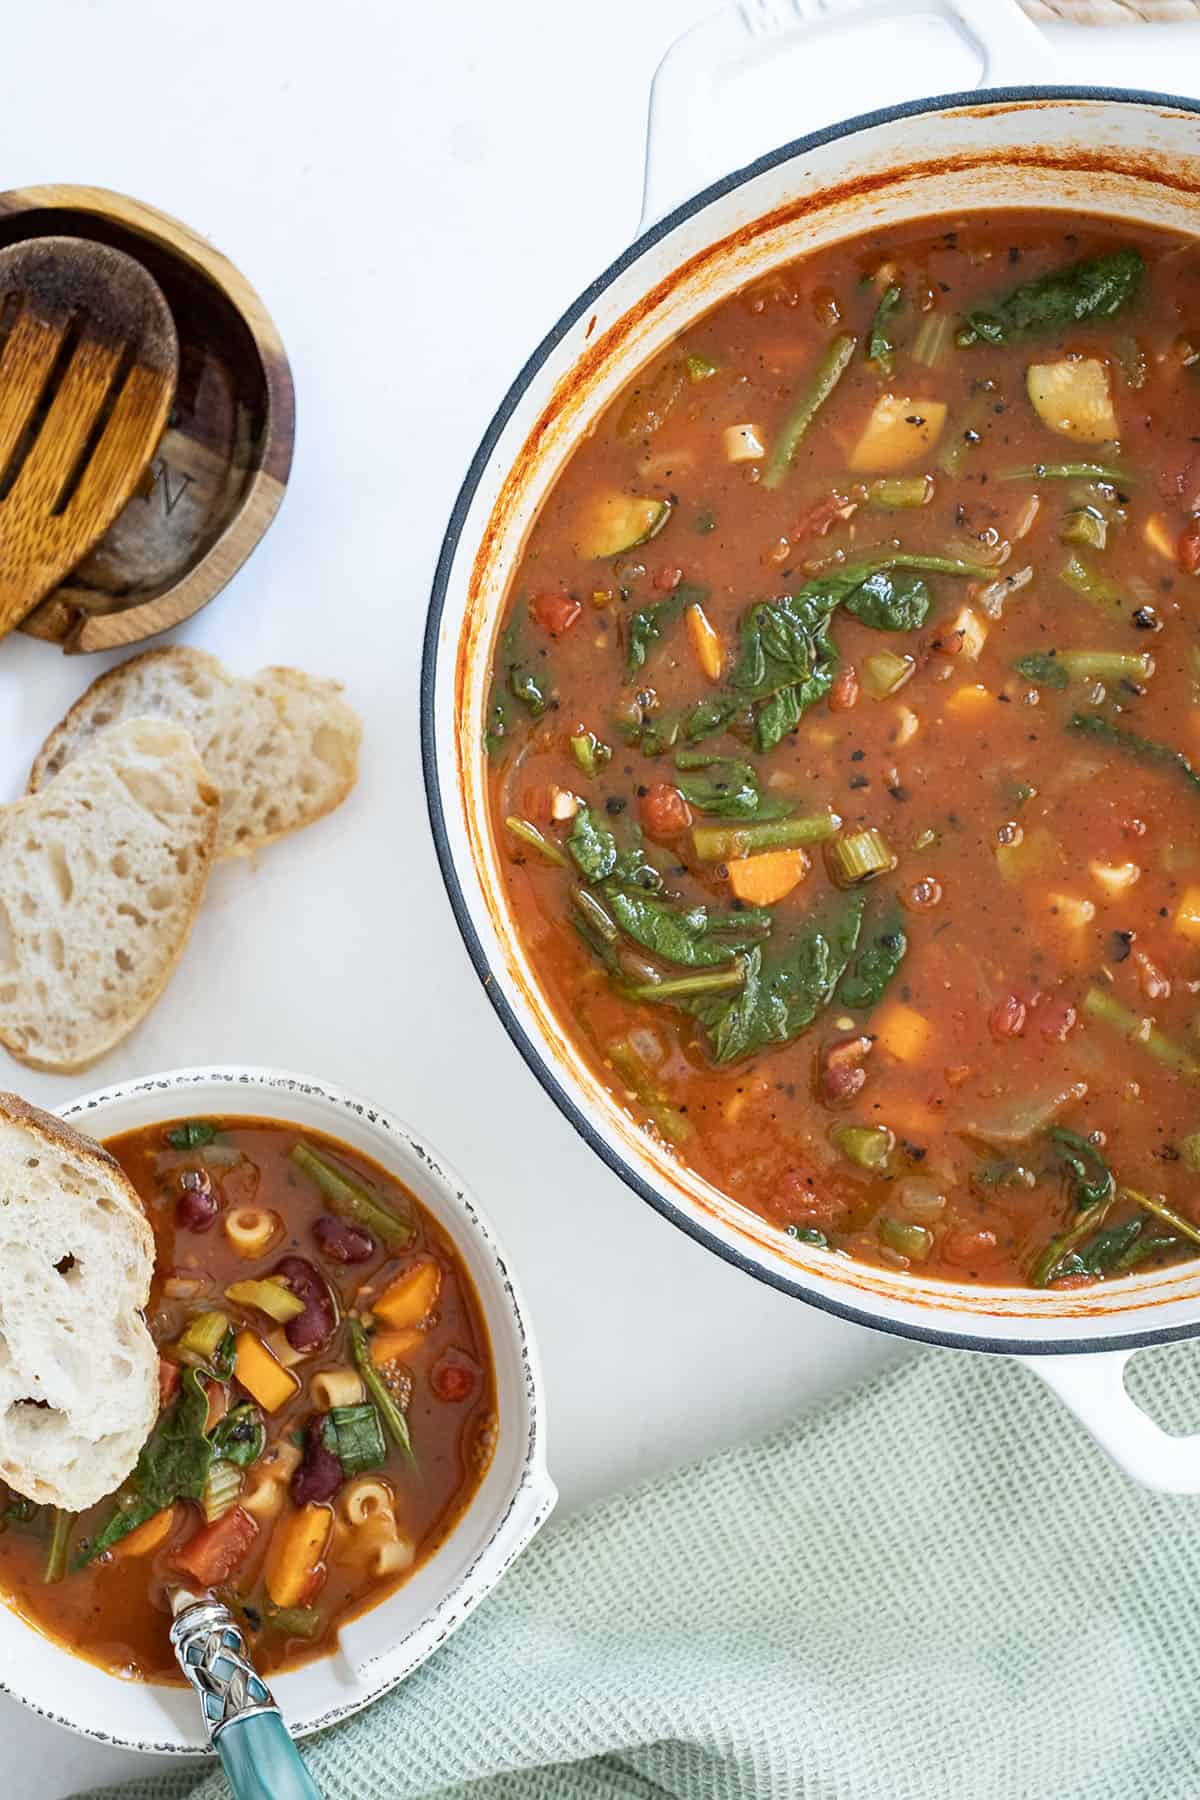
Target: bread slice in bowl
{"points": [[78, 1368], [101, 877], [282, 747]]}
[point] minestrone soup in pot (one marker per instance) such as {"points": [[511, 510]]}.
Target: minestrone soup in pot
{"points": [[845, 748], [328, 1405]]}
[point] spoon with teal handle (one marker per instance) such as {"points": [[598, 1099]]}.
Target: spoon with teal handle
{"points": [[244, 1725]]}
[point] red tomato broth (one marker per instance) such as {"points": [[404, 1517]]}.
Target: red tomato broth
{"points": [[115, 1611], [997, 970]]}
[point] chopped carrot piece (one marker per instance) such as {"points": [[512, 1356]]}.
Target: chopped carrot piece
{"points": [[706, 641], [294, 1555], [1187, 915], [902, 1031], [261, 1376], [762, 880], [411, 1297], [148, 1536], [391, 1346], [969, 700]]}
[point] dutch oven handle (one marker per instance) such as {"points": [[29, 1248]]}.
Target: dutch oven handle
{"points": [[1093, 1387], [712, 67]]}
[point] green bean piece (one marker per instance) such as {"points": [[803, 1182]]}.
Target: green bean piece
{"points": [[295, 1621], [833, 366], [681, 987], [351, 1201], [1072, 471], [1099, 1004], [670, 1121], [870, 1146], [898, 493], [913, 1241], [859, 856], [60, 1543], [726, 843], [394, 1421], [1154, 1203]]}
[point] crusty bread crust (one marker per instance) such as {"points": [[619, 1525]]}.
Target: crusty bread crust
{"points": [[81, 1452], [282, 745]]}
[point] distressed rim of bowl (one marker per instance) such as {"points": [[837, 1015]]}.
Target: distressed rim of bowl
{"points": [[459, 1601], [530, 1051]]}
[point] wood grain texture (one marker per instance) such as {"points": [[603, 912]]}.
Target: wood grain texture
{"points": [[87, 377], [221, 470], [1112, 12]]}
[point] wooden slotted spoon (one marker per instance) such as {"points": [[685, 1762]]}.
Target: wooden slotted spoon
{"points": [[88, 362]]}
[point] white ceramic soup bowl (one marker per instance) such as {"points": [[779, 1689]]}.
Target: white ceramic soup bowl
{"points": [[1134, 156], [383, 1645]]}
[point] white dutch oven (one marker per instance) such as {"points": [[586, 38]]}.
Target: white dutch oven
{"points": [[1131, 155], [384, 1645]]}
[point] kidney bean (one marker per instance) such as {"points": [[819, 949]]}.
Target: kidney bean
{"points": [[320, 1474], [315, 1325], [196, 1205], [343, 1242]]}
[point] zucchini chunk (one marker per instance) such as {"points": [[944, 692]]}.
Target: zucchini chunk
{"points": [[1073, 398], [618, 522], [898, 432]]}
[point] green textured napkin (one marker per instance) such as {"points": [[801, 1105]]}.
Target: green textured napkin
{"points": [[935, 1588]]}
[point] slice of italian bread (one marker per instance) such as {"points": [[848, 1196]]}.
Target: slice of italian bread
{"points": [[282, 747], [101, 876], [78, 1368]]}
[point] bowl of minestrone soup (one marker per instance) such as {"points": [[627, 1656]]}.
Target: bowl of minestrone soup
{"points": [[350, 1447], [812, 724]]}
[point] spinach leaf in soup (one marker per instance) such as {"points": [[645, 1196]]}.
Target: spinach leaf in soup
{"points": [[1093, 289], [890, 602], [724, 787], [882, 950], [688, 936], [645, 627], [1089, 1176], [785, 986], [515, 685], [592, 845]]}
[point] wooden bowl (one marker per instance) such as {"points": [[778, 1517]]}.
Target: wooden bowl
{"points": [[219, 473]]}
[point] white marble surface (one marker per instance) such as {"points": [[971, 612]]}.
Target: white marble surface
{"points": [[418, 192]]}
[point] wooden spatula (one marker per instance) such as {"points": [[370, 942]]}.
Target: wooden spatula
{"points": [[88, 361]]}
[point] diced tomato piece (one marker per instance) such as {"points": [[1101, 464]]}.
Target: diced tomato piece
{"points": [[1007, 1018], [799, 1198], [844, 692], [967, 1249], [1188, 547], [664, 811], [452, 1380], [168, 1382], [555, 612], [215, 1551], [818, 519], [1071, 1281], [667, 579]]}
